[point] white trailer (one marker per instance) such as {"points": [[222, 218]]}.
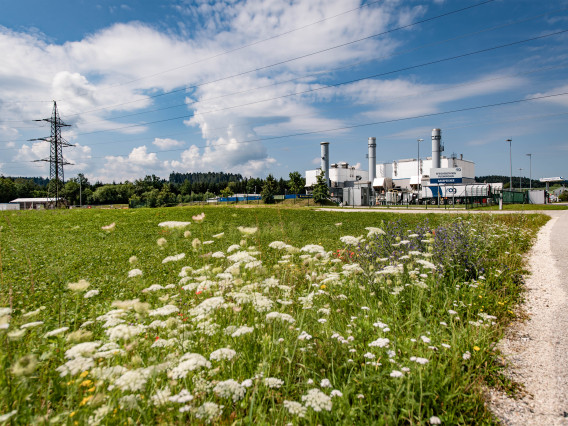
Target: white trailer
{"points": [[456, 193]]}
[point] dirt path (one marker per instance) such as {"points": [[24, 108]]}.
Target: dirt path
{"points": [[536, 350]]}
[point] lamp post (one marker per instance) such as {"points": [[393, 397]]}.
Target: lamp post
{"points": [[520, 182], [418, 165], [530, 170], [511, 165]]}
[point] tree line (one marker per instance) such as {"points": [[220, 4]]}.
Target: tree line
{"points": [[151, 190]]}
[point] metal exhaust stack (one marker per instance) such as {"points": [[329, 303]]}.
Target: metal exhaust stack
{"points": [[325, 160], [436, 148], [372, 159]]}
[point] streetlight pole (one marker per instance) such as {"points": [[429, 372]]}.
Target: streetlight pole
{"points": [[530, 170], [520, 182], [418, 172], [511, 165]]}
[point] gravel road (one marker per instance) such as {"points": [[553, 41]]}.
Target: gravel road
{"points": [[535, 350]]}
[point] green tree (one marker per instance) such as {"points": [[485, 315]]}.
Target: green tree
{"points": [[71, 192], [269, 190], [227, 192], [7, 190], [296, 182], [321, 191]]}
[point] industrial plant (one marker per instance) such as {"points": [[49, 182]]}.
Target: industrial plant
{"points": [[436, 179]]}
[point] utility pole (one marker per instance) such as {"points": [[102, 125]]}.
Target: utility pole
{"points": [[56, 161], [530, 170], [511, 165]]}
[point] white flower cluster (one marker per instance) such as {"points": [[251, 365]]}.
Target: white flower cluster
{"points": [[295, 408], [230, 389], [163, 311], [380, 343], [124, 332], [317, 400], [188, 362], [283, 317], [174, 258], [222, 354], [173, 224], [273, 382]]}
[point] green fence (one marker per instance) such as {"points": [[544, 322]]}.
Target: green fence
{"points": [[511, 197]]}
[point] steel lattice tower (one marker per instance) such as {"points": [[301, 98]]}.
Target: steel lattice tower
{"points": [[56, 161]]}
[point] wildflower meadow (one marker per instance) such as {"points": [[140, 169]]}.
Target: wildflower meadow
{"points": [[229, 315]]}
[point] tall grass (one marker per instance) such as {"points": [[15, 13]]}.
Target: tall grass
{"points": [[322, 321]]}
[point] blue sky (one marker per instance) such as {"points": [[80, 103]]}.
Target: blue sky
{"points": [[253, 86]]}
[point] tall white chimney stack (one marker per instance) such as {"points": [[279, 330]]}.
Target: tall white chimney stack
{"points": [[325, 161], [436, 148], [372, 159]]}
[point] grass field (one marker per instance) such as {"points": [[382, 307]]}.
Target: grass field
{"points": [[254, 315]]}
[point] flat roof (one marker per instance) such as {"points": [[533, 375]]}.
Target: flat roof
{"points": [[33, 200]]}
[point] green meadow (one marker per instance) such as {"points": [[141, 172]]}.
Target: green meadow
{"points": [[230, 315]]}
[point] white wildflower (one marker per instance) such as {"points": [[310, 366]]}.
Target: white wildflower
{"points": [[91, 293], [317, 400], [325, 383], [189, 362], [164, 310], [295, 408], [208, 411], [230, 389], [173, 224], [134, 273], [31, 324], [161, 397], [241, 331], [174, 258], [304, 336], [56, 332], [396, 373], [109, 227], [124, 331], [273, 382], [133, 381], [374, 231], [350, 241], [336, 392], [8, 416], [380, 343], [182, 397], [435, 420], [247, 230], [80, 285], [222, 354]]}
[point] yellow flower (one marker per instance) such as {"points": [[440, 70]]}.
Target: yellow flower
{"points": [[92, 389], [476, 348], [84, 374], [72, 414], [323, 287], [86, 383], [85, 400]]}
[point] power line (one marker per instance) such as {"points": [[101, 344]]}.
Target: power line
{"points": [[374, 123], [185, 116], [292, 59], [524, 20]]}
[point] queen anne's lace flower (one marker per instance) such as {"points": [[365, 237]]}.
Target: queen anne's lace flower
{"points": [[317, 400], [295, 408], [230, 389], [222, 354]]}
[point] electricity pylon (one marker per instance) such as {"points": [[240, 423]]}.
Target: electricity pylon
{"points": [[56, 161]]}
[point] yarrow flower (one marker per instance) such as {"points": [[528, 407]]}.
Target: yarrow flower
{"points": [[247, 230], [208, 411]]}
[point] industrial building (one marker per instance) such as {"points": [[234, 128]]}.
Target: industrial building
{"points": [[351, 186]]}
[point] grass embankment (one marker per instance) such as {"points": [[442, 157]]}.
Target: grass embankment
{"points": [[298, 316]]}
